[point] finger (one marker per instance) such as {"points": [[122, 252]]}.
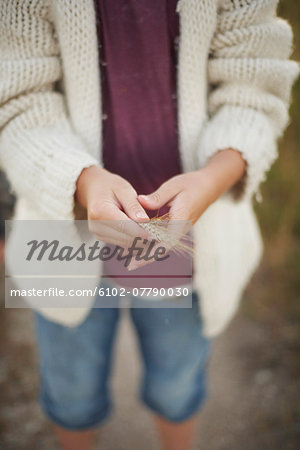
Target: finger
{"points": [[111, 235], [114, 218], [179, 223], [161, 197], [128, 198], [105, 208], [171, 230], [127, 230], [115, 242], [140, 248]]}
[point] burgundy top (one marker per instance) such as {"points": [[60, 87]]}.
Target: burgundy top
{"points": [[138, 68], [138, 71]]}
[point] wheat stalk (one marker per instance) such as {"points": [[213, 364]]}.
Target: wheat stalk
{"points": [[158, 228]]}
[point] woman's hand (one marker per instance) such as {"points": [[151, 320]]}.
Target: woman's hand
{"points": [[112, 206], [188, 195]]}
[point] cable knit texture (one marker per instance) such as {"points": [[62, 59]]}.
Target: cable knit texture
{"points": [[234, 84]]}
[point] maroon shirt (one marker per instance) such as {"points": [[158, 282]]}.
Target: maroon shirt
{"points": [[138, 68], [138, 71]]}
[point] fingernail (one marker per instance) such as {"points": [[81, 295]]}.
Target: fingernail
{"points": [[141, 215]]}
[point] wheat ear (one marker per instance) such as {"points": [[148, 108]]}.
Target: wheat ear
{"points": [[157, 227]]}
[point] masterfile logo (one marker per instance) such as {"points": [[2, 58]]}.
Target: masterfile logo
{"points": [[61, 264]]}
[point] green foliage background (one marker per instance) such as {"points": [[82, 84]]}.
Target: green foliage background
{"points": [[275, 291]]}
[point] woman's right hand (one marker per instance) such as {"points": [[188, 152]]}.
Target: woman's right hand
{"points": [[112, 206]]}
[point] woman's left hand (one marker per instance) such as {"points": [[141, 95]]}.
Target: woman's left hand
{"points": [[189, 194]]}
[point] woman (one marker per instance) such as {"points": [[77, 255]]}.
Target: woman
{"points": [[232, 79]]}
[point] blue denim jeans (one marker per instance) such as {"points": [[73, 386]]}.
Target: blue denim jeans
{"points": [[75, 364]]}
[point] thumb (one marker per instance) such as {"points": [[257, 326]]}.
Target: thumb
{"points": [[159, 198]]}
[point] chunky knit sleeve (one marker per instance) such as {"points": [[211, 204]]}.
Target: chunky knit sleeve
{"points": [[39, 150], [250, 79]]}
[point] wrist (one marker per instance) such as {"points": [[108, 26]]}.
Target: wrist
{"points": [[84, 184], [225, 169]]}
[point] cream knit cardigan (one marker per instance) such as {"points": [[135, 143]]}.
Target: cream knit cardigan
{"points": [[234, 82]]}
